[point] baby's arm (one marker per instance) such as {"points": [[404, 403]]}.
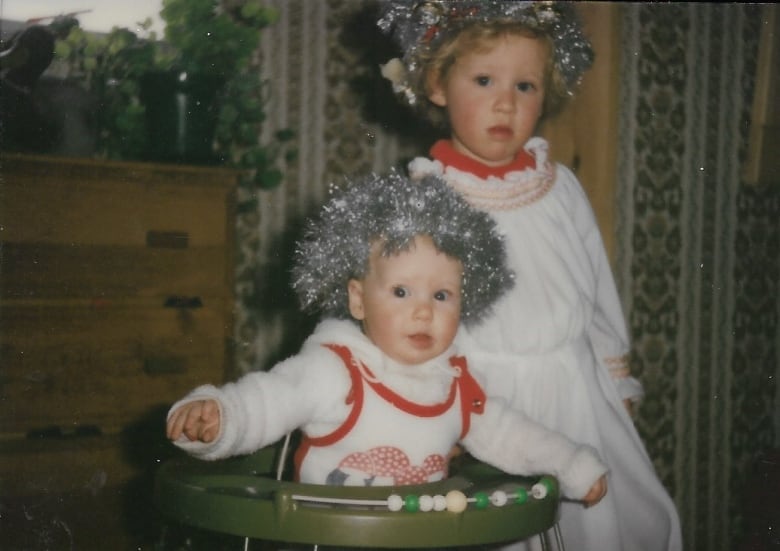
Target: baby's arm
{"points": [[237, 418], [240, 417], [512, 442], [197, 421]]}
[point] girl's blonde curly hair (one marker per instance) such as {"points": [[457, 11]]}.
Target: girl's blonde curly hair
{"points": [[434, 66], [433, 34]]}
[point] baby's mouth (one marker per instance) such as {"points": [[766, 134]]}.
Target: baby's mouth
{"points": [[421, 340]]}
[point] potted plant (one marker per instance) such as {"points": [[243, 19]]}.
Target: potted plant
{"points": [[210, 49], [109, 68], [195, 97]]}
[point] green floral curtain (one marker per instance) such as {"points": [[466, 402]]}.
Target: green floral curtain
{"points": [[699, 258]]}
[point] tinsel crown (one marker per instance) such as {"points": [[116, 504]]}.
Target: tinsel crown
{"points": [[393, 210], [419, 27]]}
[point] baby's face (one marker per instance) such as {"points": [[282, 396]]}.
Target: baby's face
{"points": [[409, 303]]}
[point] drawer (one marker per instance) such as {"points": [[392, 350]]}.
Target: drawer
{"points": [[90, 367], [113, 204], [58, 270], [71, 494], [122, 214], [35, 466]]}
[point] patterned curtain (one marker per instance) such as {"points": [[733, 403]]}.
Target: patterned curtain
{"points": [[698, 257], [698, 251], [321, 62]]}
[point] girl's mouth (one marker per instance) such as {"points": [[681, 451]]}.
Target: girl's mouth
{"points": [[500, 132]]}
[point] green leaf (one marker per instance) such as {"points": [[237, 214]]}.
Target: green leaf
{"points": [[269, 179], [285, 135]]}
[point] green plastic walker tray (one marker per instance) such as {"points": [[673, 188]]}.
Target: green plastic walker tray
{"points": [[240, 496]]}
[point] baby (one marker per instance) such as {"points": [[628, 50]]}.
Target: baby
{"points": [[379, 389]]}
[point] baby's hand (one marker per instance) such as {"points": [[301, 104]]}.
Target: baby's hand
{"points": [[198, 420], [596, 492]]}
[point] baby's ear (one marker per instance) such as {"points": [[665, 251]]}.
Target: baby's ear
{"points": [[355, 292]]}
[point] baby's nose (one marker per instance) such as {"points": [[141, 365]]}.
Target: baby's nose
{"points": [[423, 310]]}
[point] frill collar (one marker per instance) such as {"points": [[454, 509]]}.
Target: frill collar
{"points": [[444, 152], [523, 183]]}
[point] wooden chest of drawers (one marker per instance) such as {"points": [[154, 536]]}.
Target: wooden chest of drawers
{"points": [[116, 299]]}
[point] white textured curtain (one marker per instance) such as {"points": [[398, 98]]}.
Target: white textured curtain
{"points": [[312, 58]]}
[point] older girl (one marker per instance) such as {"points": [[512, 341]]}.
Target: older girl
{"points": [[556, 345]]}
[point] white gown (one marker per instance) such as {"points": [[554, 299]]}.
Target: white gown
{"points": [[556, 346]]}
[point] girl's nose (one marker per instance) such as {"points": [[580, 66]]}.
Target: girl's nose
{"points": [[505, 100]]}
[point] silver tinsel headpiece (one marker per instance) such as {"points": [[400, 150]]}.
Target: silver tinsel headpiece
{"points": [[394, 210], [419, 27]]}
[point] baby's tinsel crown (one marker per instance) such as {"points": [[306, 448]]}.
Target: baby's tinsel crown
{"points": [[392, 209], [419, 27]]}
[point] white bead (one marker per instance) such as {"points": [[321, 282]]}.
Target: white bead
{"points": [[439, 503], [456, 501], [539, 490], [426, 503], [498, 498], [395, 503]]}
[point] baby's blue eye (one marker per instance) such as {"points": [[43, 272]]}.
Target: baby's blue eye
{"points": [[525, 86], [441, 295], [400, 292], [482, 81]]}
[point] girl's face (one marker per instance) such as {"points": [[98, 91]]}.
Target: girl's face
{"points": [[494, 98], [409, 303]]}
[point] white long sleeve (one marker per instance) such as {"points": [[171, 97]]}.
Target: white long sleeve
{"points": [[512, 442], [307, 390]]}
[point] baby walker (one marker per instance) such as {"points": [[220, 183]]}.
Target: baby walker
{"points": [[244, 497]]}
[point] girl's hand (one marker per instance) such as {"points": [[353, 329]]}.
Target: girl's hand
{"points": [[629, 405], [596, 492], [197, 421]]}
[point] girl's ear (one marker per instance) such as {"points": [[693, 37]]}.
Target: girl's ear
{"points": [[436, 91], [355, 292]]}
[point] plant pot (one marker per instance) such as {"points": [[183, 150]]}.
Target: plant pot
{"points": [[181, 114]]}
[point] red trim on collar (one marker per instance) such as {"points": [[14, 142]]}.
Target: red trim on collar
{"points": [[420, 410], [444, 152]]}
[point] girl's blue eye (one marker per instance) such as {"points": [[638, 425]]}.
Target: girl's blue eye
{"points": [[482, 81], [441, 295], [525, 86], [400, 292]]}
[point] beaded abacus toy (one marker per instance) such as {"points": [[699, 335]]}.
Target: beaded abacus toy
{"points": [[240, 496], [455, 501]]}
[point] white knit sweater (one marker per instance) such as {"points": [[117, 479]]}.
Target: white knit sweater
{"points": [[309, 390]]}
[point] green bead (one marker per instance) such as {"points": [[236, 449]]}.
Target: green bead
{"points": [[482, 500], [412, 503], [522, 496]]}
